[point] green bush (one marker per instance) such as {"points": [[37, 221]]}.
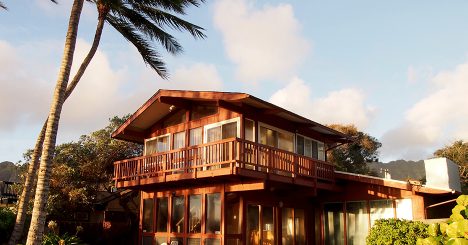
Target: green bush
{"points": [[65, 239], [396, 231], [7, 222], [452, 232]]}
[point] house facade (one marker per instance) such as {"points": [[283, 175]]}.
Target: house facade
{"points": [[229, 168]]}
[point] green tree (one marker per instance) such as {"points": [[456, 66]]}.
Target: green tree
{"points": [[353, 157], [458, 153], [140, 22]]}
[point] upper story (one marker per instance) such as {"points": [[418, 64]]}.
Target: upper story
{"points": [[189, 135]]}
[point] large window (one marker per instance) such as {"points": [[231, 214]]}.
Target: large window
{"points": [[148, 205], [178, 214], [334, 223], [357, 221], [276, 138], [179, 140], [161, 214], [213, 213], [196, 136], [195, 214], [158, 144], [222, 130], [249, 130], [310, 148], [293, 227]]}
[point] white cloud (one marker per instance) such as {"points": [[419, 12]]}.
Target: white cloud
{"points": [[346, 106], [435, 120], [264, 43]]}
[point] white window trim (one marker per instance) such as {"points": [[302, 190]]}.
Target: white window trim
{"points": [[159, 136], [318, 142], [260, 124], [217, 124]]}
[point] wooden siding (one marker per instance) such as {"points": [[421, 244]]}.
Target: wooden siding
{"points": [[227, 157]]}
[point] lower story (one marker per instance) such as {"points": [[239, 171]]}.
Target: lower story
{"points": [[264, 213]]}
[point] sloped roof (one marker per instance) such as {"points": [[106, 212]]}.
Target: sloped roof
{"points": [[160, 103]]}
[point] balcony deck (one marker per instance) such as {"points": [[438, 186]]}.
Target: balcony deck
{"points": [[222, 159]]}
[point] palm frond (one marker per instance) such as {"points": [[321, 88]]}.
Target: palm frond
{"points": [[3, 6], [166, 19], [148, 28], [177, 6], [150, 55]]}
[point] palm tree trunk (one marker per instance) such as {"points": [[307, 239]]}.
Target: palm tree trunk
{"points": [[34, 164], [42, 191]]}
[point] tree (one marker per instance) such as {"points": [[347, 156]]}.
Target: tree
{"points": [[139, 22], [458, 153], [353, 157]]}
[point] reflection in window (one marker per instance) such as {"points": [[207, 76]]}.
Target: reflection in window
{"points": [[195, 214], [273, 138], [381, 209], [178, 210], [268, 226], [249, 130], [357, 222], [213, 213], [212, 241], [161, 217], [310, 148], [193, 241], [232, 210], [287, 226], [334, 223], [253, 234], [160, 240], [299, 227], [148, 215]]}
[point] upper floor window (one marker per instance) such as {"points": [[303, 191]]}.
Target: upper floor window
{"points": [[310, 148], [276, 138], [222, 130], [179, 140], [249, 130], [196, 136], [199, 111], [157, 144]]}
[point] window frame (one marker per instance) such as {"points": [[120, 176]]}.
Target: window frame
{"points": [[221, 123], [261, 124], [312, 139], [156, 138]]}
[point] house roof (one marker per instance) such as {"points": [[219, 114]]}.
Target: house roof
{"points": [[160, 104]]}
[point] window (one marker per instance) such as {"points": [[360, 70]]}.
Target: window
{"points": [[310, 148], [381, 209], [232, 209], [253, 223], [222, 130], [276, 138], [195, 214], [213, 213], [178, 214], [357, 221], [290, 230], [195, 136], [148, 214], [334, 223], [199, 111], [299, 226], [249, 130], [179, 140], [161, 214], [268, 226], [158, 144]]}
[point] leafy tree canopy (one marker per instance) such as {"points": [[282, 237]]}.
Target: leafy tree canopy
{"points": [[457, 152], [353, 157]]}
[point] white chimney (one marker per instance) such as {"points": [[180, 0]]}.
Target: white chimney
{"points": [[442, 173]]}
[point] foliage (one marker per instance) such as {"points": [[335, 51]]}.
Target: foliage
{"points": [[353, 157], [396, 231], [7, 221], [454, 231], [458, 153], [81, 169], [65, 239]]}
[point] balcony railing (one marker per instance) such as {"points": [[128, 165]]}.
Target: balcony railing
{"points": [[229, 154]]}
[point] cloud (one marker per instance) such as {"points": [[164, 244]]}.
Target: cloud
{"points": [[437, 119], [345, 106], [264, 43]]}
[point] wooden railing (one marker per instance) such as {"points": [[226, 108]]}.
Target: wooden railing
{"points": [[228, 153]]}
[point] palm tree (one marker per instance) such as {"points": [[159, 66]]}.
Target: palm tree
{"points": [[139, 22]]}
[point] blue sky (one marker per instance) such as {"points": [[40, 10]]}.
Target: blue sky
{"points": [[397, 69]]}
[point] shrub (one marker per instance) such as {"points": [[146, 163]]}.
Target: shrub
{"points": [[452, 232], [65, 239], [396, 231], [7, 222]]}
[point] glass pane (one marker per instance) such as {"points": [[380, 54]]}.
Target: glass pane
{"points": [[148, 214], [193, 241], [268, 137], [357, 221], [249, 130], [314, 150], [179, 140], [308, 148], [178, 210], [232, 210], [177, 241], [287, 226], [321, 151], [253, 234], [212, 241], [150, 147], [195, 136], [163, 143], [229, 130], [300, 145], [286, 142], [162, 211], [213, 134], [147, 240], [195, 214], [268, 231], [160, 240], [334, 223], [232, 241], [299, 227], [213, 213], [381, 209]]}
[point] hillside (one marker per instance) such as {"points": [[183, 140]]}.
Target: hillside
{"points": [[401, 169], [9, 172]]}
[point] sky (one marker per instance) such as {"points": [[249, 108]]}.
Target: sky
{"points": [[398, 70]]}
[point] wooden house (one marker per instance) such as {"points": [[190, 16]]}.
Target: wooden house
{"points": [[230, 168]]}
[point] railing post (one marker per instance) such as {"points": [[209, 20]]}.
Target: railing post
{"points": [[296, 162], [138, 169]]}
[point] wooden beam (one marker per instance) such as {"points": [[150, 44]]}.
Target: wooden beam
{"points": [[247, 186]]}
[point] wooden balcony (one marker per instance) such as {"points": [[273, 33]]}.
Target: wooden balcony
{"points": [[226, 158]]}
